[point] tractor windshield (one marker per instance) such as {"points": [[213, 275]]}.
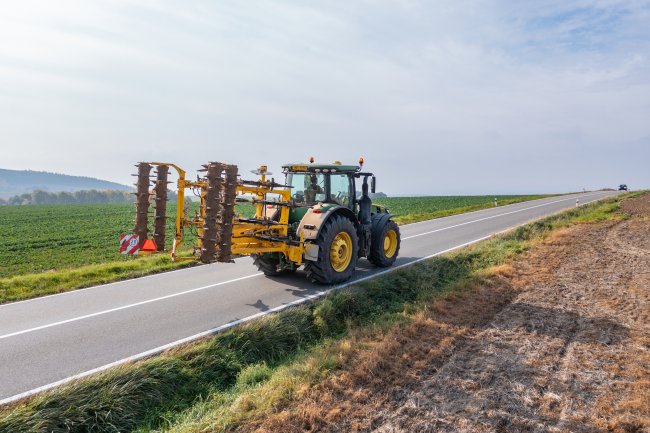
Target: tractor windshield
{"points": [[308, 188]]}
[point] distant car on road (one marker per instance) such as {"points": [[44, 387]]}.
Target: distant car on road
{"points": [[622, 187]]}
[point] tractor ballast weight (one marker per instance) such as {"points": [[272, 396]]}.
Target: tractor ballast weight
{"points": [[315, 219]]}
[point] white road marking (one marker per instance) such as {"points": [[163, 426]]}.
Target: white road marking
{"points": [[123, 307], [492, 208], [129, 280], [486, 218], [161, 298], [222, 328]]}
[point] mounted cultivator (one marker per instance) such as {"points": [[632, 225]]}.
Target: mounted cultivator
{"points": [[315, 219]]}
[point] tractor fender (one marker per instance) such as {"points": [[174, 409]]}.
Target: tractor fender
{"points": [[379, 219], [311, 224]]}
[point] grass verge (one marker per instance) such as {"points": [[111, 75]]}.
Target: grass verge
{"points": [[46, 283], [219, 382]]}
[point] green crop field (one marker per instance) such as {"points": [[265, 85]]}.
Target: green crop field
{"points": [[42, 238], [49, 238], [412, 209]]}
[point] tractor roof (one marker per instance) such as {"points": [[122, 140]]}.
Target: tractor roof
{"points": [[312, 167]]}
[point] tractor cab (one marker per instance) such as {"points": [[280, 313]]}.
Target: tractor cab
{"points": [[333, 184]]}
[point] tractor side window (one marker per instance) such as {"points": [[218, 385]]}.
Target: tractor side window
{"points": [[340, 189], [308, 188]]}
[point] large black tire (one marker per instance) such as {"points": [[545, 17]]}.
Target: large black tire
{"points": [[322, 271], [268, 263], [381, 255]]}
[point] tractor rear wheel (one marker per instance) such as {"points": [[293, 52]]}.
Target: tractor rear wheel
{"points": [[268, 263], [384, 244], [338, 249]]}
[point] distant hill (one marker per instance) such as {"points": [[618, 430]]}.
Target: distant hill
{"points": [[16, 182]]}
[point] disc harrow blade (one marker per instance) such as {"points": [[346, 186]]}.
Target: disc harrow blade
{"points": [[142, 201], [220, 195], [229, 195], [213, 178], [160, 199]]}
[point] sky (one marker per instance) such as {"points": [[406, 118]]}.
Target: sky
{"points": [[440, 97]]}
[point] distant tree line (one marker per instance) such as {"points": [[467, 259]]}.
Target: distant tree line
{"points": [[92, 196], [77, 197], [373, 195]]}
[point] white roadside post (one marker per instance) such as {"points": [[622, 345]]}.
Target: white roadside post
{"points": [[577, 202], [495, 202]]}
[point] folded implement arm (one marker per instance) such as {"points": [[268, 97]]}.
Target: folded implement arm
{"points": [[221, 232]]}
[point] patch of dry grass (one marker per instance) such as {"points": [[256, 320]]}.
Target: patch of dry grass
{"points": [[558, 341]]}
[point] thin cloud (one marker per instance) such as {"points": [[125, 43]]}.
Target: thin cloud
{"points": [[472, 97]]}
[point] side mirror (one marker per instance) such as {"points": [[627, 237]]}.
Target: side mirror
{"points": [[373, 184]]}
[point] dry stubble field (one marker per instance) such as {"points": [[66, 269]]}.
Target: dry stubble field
{"points": [[557, 342]]}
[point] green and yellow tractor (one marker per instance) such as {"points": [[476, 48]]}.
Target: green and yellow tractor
{"points": [[314, 219]]}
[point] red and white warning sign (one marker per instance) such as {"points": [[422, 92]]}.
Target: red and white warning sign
{"points": [[129, 244]]}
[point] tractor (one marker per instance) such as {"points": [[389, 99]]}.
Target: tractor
{"points": [[314, 219]]}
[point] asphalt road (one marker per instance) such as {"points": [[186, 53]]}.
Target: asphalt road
{"points": [[49, 340]]}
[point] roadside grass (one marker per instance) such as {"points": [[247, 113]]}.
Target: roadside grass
{"points": [[46, 283], [58, 248], [220, 382]]}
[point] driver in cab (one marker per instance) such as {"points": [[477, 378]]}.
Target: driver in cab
{"points": [[312, 189]]}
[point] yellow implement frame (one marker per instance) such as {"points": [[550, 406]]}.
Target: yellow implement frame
{"points": [[256, 235]]}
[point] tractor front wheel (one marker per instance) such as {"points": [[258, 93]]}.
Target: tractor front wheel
{"points": [[338, 249], [268, 263], [384, 244]]}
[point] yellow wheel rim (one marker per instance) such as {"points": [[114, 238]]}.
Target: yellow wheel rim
{"points": [[341, 252], [390, 243]]}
